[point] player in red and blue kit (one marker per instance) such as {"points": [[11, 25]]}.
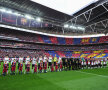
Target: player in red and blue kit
{"points": [[56, 67], [41, 66], [35, 67], [45, 67], [28, 67], [61, 67], [52, 67], [13, 66], [5, 66], [20, 67]]}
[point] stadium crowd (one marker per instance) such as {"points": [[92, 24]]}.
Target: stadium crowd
{"points": [[38, 38], [14, 44]]}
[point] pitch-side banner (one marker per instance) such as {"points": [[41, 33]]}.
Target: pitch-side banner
{"points": [[9, 18], [47, 25], [21, 21], [34, 23], [0, 16]]}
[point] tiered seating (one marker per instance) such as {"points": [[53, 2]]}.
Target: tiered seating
{"points": [[77, 52], [75, 55], [60, 53], [61, 40], [99, 51], [77, 41], [69, 41], [103, 39], [47, 54], [40, 39], [105, 51], [100, 56], [87, 52], [92, 55], [46, 39], [54, 40], [37, 53], [68, 53], [53, 53], [85, 40], [18, 53], [30, 37], [83, 55], [105, 55]]}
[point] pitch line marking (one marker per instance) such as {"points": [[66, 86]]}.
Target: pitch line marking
{"points": [[93, 74]]}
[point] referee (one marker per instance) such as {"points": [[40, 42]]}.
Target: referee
{"points": [[55, 59]]}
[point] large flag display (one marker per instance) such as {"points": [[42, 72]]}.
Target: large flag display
{"points": [[85, 40], [103, 39], [94, 40], [77, 40], [21, 21], [9, 18]]}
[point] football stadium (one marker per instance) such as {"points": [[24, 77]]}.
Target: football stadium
{"points": [[53, 45]]}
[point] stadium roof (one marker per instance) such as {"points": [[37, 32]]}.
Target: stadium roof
{"points": [[92, 18], [66, 6], [30, 7]]}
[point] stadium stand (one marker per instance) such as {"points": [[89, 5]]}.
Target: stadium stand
{"points": [[60, 53], [54, 40], [69, 41], [83, 55], [75, 55], [29, 37]]}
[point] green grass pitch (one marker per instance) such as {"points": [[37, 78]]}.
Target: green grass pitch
{"points": [[92, 79]]}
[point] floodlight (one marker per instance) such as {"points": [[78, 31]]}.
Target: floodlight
{"points": [[66, 26], [38, 19], [3, 9], [28, 16]]}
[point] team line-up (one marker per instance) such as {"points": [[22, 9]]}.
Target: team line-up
{"points": [[51, 64]]}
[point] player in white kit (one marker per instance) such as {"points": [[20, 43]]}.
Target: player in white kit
{"points": [[39, 60], [105, 62], [27, 60], [20, 59], [50, 62], [89, 66], [82, 64], [59, 63], [44, 60], [96, 62], [33, 63], [92, 64]]}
